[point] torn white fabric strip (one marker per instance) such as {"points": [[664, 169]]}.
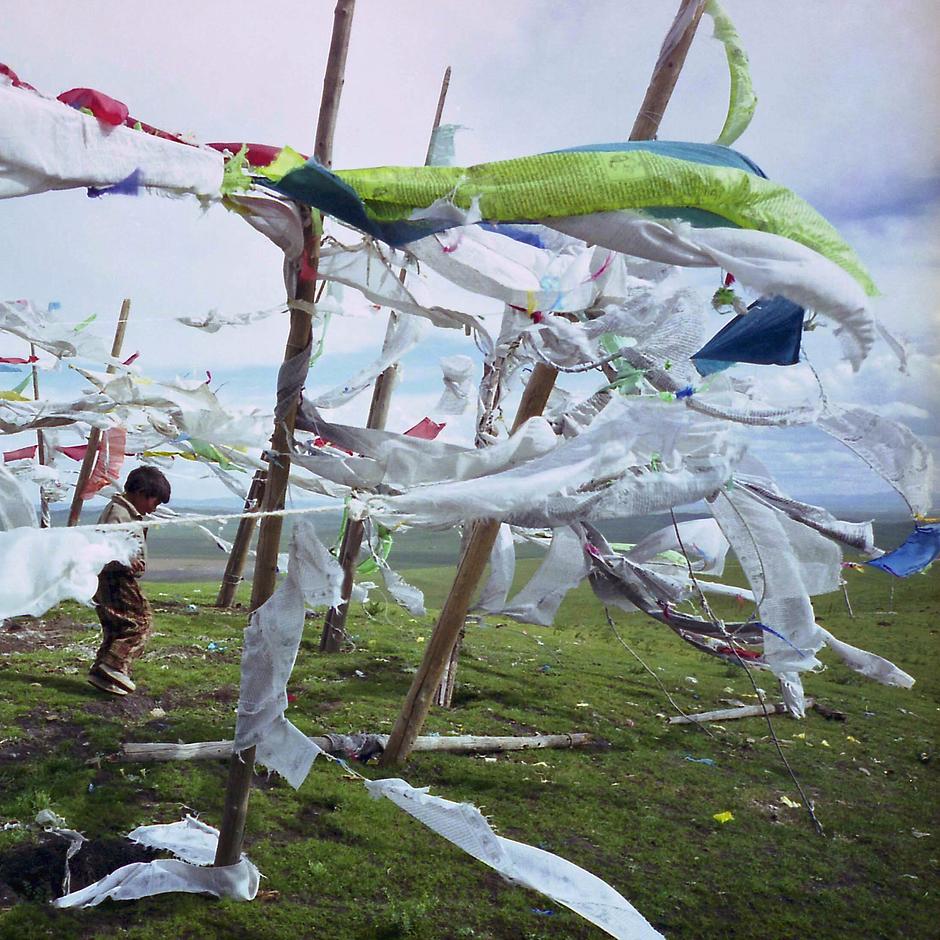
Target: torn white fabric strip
{"points": [[403, 593], [563, 881], [502, 570], [37, 326], [364, 268], [48, 145], [71, 560], [397, 461], [406, 333], [565, 566], [194, 843], [761, 541], [164, 876], [272, 639], [767, 263], [892, 450], [868, 664], [458, 385], [602, 473], [16, 509], [702, 540]]}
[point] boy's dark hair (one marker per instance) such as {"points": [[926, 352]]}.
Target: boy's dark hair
{"points": [[148, 481]]}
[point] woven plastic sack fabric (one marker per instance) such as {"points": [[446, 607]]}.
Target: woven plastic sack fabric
{"points": [[380, 201], [555, 877]]}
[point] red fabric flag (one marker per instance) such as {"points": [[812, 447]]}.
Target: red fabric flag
{"points": [[102, 106], [18, 360], [22, 454], [76, 451], [109, 462], [426, 429]]}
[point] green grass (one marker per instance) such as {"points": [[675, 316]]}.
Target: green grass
{"points": [[631, 809]]}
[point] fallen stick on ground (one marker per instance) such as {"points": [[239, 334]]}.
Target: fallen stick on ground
{"points": [[729, 714], [364, 745]]}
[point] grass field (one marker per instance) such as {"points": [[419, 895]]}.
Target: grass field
{"points": [[633, 808]]}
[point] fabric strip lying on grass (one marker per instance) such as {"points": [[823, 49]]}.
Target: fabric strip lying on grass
{"points": [[555, 877], [194, 843]]}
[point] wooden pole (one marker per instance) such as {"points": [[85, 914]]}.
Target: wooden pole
{"points": [[94, 435], [239, 553], [45, 519], [470, 569], [452, 744], [241, 766], [334, 624], [663, 81]]}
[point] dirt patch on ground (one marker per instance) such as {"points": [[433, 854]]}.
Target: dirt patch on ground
{"points": [[42, 737], [27, 634], [33, 871]]}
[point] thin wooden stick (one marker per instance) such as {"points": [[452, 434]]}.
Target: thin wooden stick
{"points": [[334, 623], [241, 765], [458, 744], [437, 654], [94, 435]]}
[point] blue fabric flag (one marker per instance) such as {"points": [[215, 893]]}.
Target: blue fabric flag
{"points": [[920, 548], [129, 186], [768, 334]]}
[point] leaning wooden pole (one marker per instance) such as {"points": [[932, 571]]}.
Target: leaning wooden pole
{"points": [[470, 568], [334, 624], [94, 435], [241, 766]]}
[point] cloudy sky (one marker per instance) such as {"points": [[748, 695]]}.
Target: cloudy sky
{"points": [[847, 117]]}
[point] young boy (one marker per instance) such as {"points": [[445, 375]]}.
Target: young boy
{"points": [[125, 615]]}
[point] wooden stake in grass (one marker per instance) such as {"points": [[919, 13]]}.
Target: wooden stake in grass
{"points": [[94, 435], [334, 624], [241, 766], [470, 569]]}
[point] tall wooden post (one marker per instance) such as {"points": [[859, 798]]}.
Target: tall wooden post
{"points": [[94, 435], [470, 569], [241, 766], [45, 519], [237, 557], [334, 624]]}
